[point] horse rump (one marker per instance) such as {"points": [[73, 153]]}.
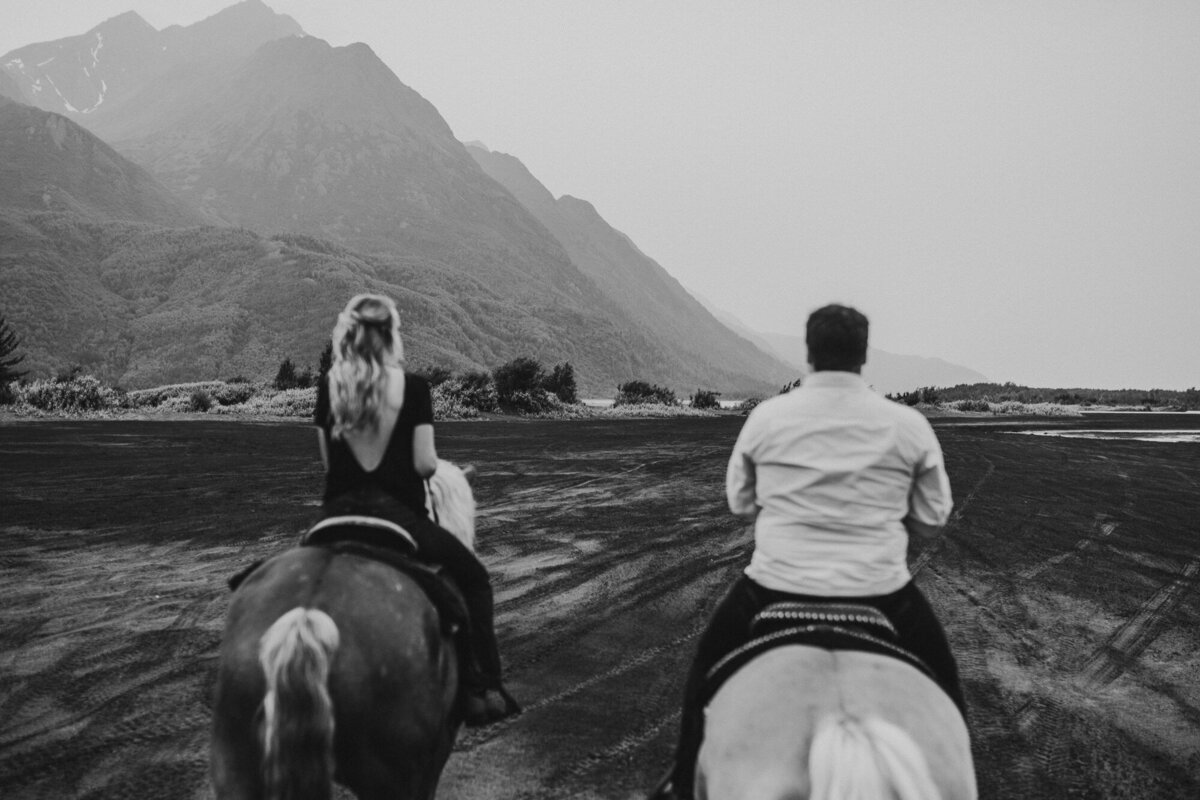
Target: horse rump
{"points": [[296, 725], [855, 758]]}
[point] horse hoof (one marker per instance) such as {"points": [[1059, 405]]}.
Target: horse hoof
{"points": [[485, 708]]}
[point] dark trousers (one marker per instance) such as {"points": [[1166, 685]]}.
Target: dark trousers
{"points": [[436, 545], [918, 628]]}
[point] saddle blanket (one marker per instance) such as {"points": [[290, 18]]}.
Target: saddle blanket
{"points": [[830, 626]]}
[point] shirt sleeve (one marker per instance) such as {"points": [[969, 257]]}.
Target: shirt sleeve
{"points": [[930, 500], [421, 398], [740, 477], [321, 412]]}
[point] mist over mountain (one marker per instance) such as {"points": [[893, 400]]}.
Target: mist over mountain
{"points": [[887, 373]]}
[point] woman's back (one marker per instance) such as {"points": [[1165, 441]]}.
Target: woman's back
{"points": [[383, 458]]}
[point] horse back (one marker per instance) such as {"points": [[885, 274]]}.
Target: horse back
{"points": [[761, 723], [392, 679]]}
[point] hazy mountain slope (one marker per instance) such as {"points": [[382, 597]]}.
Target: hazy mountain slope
{"points": [[704, 352], [123, 64], [309, 138], [47, 162], [886, 372], [9, 90], [142, 305]]}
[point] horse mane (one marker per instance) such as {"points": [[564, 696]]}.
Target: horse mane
{"points": [[453, 502], [854, 758]]}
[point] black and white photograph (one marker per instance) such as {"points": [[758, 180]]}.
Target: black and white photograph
{"points": [[609, 400]]}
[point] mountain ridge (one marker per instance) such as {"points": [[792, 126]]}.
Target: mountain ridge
{"points": [[329, 174], [646, 291]]}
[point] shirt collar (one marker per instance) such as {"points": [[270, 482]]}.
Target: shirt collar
{"points": [[833, 379]]}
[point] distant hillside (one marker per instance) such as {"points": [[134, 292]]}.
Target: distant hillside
{"points": [[703, 352], [48, 163], [887, 372], [140, 305]]}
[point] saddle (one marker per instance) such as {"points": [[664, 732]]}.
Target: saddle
{"points": [[386, 542], [830, 626]]}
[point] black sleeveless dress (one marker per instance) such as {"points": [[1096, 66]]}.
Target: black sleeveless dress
{"points": [[396, 476]]}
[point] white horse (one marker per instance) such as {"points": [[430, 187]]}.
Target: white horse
{"points": [[802, 722]]}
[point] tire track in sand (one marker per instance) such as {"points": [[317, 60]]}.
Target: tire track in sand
{"points": [[929, 552]]}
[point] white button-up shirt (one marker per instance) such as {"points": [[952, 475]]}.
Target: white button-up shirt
{"points": [[831, 469]]}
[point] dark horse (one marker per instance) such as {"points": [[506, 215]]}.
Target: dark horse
{"points": [[335, 664]]}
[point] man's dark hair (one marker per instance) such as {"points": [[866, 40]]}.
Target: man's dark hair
{"points": [[837, 339]]}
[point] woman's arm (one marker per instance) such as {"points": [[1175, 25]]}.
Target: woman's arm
{"points": [[323, 447], [424, 453]]}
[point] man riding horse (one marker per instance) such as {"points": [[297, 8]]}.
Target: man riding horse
{"points": [[835, 478]]}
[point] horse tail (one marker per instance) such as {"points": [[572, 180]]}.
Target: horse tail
{"points": [[854, 759], [296, 728]]}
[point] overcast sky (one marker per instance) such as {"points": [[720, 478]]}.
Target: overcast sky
{"points": [[1014, 187]]}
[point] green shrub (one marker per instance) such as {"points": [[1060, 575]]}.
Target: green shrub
{"points": [[286, 377], [473, 390], [231, 394], [534, 401], [299, 402], [972, 405], [8, 393], [435, 375], [749, 404], [200, 400], [561, 383], [522, 374], [9, 358], [634, 393], [447, 406], [80, 393], [177, 396], [705, 398], [650, 410]]}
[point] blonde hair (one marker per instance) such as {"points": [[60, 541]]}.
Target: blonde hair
{"points": [[365, 339]]}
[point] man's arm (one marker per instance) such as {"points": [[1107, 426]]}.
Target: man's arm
{"points": [[740, 477], [929, 501], [917, 528]]}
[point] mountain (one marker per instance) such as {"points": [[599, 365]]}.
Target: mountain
{"points": [[48, 163], [123, 69], [95, 270], [887, 372], [335, 177], [702, 351]]}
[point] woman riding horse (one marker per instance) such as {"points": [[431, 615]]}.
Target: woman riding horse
{"points": [[835, 478], [336, 662], [375, 430]]}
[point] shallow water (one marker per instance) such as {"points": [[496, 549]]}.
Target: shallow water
{"points": [[1188, 436]]}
